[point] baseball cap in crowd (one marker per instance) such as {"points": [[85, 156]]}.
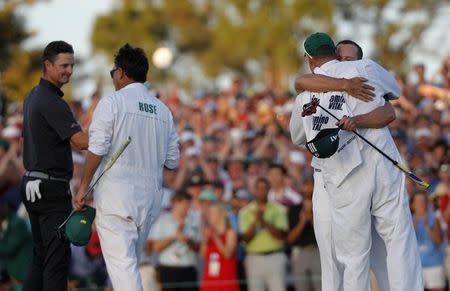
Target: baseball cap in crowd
{"points": [[195, 181], [325, 144], [422, 132], [243, 194], [319, 44], [192, 151], [444, 167], [79, 225], [186, 136], [207, 195]]}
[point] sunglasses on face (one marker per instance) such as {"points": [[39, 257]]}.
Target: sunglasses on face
{"points": [[111, 73]]}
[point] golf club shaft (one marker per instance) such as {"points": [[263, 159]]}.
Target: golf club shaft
{"points": [[403, 168], [108, 166]]}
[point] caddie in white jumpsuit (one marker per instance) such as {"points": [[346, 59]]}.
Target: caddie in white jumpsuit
{"points": [[379, 117], [128, 196], [362, 184], [322, 223]]}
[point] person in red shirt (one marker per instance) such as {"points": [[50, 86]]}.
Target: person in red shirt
{"points": [[219, 251], [443, 192]]}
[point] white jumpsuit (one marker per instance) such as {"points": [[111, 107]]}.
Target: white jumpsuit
{"points": [[322, 225], [361, 185], [128, 197]]}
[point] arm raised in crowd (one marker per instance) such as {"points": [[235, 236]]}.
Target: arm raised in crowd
{"points": [[161, 244], [304, 218], [250, 233], [226, 248], [229, 247], [251, 230], [435, 232]]}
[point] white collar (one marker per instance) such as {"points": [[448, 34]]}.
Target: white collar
{"points": [[324, 67], [135, 85]]}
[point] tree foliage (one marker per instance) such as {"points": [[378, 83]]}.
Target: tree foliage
{"points": [[19, 69], [226, 34], [222, 35], [399, 25], [12, 31], [22, 74]]}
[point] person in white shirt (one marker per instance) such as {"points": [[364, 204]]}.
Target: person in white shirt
{"points": [[346, 50], [176, 236], [362, 185], [128, 197]]}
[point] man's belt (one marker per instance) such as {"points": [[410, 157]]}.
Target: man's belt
{"points": [[40, 175], [266, 253]]}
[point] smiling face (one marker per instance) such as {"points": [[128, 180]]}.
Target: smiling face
{"points": [[60, 70], [347, 52]]}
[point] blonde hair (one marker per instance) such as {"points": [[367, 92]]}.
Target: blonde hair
{"points": [[220, 209]]}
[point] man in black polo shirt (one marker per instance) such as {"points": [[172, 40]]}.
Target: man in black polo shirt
{"points": [[305, 257], [49, 129]]}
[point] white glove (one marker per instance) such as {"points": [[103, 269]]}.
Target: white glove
{"points": [[32, 190]]}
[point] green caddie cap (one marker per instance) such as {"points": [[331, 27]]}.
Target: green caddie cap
{"points": [[78, 227], [325, 144], [319, 44]]}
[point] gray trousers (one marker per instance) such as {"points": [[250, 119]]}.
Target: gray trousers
{"points": [[305, 263], [266, 272]]}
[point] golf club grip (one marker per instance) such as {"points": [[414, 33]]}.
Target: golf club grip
{"points": [[117, 154], [109, 164], [413, 177]]}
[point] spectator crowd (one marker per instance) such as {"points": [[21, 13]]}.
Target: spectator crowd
{"points": [[237, 213]]}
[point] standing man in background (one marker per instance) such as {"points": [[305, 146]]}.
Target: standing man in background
{"points": [[128, 197], [264, 227], [49, 129]]}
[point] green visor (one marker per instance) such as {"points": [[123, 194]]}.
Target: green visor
{"points": [[325, 144], [78, 227]]}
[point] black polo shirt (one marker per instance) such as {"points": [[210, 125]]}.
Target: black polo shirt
{"points": [[307, 238], [48, 124]]}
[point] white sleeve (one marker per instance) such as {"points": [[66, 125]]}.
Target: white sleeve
{"points": [[101, 128], [385, 81], [173, 151], [298, 135]]}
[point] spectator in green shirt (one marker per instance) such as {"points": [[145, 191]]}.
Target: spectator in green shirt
{"points": [[263, 227]]}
